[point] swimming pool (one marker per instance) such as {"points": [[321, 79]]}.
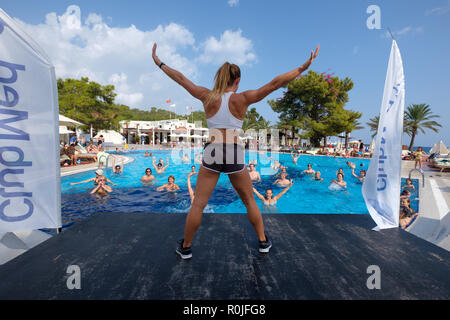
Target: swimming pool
{"points": [[305, 196]]}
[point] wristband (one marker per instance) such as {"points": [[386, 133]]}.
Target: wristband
{"points": [[162, 63]]}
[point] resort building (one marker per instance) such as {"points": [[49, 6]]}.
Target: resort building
{"points": [[163, 131]]}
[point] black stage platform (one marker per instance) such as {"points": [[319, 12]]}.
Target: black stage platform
{"points": [[131, 256]]}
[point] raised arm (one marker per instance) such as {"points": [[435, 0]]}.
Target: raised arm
{"points": [[95, 189], [258, 194], [167, 165], [252, 96], [278, 196], [195, 91], [191, 192], [88, 180]]}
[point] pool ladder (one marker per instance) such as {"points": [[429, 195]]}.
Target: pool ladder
{"points": [[100, 160], [421, 172]]}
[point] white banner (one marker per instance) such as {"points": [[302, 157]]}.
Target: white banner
{"points": [[381, 188], [29, 151]]}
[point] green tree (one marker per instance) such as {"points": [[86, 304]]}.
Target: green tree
{"points": [[315, 104], [88, 102], [253, 120], [418, 118]]}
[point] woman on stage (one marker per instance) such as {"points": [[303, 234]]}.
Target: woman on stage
{"points": [[225, 110]]}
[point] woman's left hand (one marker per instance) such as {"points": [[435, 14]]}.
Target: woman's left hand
{"points": [[154, 56]]}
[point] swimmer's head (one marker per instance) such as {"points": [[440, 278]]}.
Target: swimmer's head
{"points": [[283, 170], [148, 171], [340, 176], [317, 174], [159, 165], [406, 193], [117, 167], [309, 166], [269, 194], [363, 173], [99, 172], [193, 168], [405, 202], [252, 167], [171, 179], [408, 181], [283, 175]]}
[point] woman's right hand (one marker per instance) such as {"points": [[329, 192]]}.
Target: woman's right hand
{"points": [[313, 56]]}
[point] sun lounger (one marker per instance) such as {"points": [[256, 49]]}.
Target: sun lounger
{"points": [[313, 151]]}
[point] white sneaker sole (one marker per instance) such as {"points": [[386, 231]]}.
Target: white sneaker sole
{"points": [[184, 256], [265, 250]]}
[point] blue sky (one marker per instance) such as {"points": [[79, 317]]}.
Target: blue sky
{"points": [[110, 41]]}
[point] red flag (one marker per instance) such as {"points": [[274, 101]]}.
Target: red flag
{"points": [[168, 101]]}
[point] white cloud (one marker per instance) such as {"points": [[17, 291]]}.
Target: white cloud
{"points": [[119, 56], [122, 56], [439, 10], [231, 46], [233, 3]]}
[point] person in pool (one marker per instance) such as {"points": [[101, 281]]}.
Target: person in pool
{"points": [[98, 175], [295, 157], [225, 111], [405, 194], [282, 181], [198, 158], [341, 171], [147, 177], [361, 176], [340, 180], [170, 186], [159, 167], [193, 169], [407, 214], [254, 175], [269, 199], [185, 158], [309, 170], [409, 185], [102, 188], [283, 170], [117, 168], [317, 176], [146, 154]]}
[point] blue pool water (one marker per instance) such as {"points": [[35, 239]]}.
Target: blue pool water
{"points": [[305, 196]]}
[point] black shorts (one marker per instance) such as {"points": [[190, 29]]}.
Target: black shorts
{"points": [[224, 157]]}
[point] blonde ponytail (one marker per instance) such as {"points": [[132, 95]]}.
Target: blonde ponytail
{"points": [[225, 77]]}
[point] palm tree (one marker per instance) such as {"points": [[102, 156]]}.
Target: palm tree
{"points": [[373, 125], [417, 118], [353, 124]]}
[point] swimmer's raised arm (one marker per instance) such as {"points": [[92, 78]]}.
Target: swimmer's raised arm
{"points": [[196, 91], [191, 192], [278, 196], [252, 96], [88, 180], [258, 194]]}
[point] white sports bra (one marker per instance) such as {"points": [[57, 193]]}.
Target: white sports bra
{"points": [[223, 119]]}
